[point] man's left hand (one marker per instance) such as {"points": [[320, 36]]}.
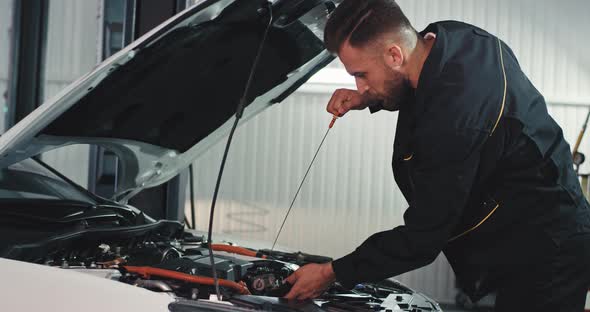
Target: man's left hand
{"points": [[310, 281]]}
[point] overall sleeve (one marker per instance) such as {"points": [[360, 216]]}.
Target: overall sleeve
{"points": [[443, 170]]}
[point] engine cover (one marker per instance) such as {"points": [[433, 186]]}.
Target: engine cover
{"points": [[263, 277]]}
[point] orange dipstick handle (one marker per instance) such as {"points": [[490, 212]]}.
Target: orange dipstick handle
{"points": [[333, 121]]}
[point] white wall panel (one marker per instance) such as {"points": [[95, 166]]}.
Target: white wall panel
{"points": [[5, 42], [350, 193], [5, 35], [71, 41], [72, 36]]}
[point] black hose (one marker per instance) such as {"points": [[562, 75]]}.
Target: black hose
{"points": [[239, 112]]}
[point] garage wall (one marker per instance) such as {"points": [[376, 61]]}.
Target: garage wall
{"points": [[350, 192], [72, 47], [5, 42]]}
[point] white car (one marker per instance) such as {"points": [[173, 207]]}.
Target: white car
{"points": [[158, 104]]}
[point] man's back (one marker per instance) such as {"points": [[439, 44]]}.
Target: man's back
{"points": [[525, 201]]}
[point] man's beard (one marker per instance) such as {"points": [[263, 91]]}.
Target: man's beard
{"points": [[398, 92]]}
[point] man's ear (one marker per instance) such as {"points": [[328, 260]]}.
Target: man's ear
{"points": [[394, 58]]}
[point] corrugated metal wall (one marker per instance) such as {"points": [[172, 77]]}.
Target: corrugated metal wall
{"points": [[5, 41], [72, 36], [350, 192]]}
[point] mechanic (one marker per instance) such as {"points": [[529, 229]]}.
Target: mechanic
{"points": [[486, 171]]}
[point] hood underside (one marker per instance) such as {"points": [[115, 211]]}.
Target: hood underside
{"points": [[189, 82], [170, 95]]}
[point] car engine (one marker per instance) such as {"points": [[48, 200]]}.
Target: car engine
{"points": [[162, 257]]}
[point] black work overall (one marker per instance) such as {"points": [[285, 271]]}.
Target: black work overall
{"points": [[489, 181]]}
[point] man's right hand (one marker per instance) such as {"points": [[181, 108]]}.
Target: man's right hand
{"points": [[344, 100]]}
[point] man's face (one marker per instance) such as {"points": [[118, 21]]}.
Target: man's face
{"points": [[376, 77]]}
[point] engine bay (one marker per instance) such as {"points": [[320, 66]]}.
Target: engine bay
{"points": [[162, 257]]}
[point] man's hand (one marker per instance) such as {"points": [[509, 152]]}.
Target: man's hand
{"points": [[310, 281], [344, 100]]}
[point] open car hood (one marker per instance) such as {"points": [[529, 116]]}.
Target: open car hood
{"points": [[167, 97]]}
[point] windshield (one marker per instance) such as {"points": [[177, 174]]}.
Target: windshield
{"points": [[29, 179]]}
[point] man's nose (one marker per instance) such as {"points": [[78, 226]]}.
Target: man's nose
{"points": [[361, 86]]}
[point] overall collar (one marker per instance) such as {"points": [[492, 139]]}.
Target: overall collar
{"points": [[411, 111]]}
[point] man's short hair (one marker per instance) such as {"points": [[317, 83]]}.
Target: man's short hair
{"points": [[362, 21]]}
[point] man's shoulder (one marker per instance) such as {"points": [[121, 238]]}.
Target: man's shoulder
{"points": [[459, 49], [463, 81], [452, 26], [463, 97]]}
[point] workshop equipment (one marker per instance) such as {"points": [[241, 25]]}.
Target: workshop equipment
{"points": [[579, 159], [577, 156]]}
